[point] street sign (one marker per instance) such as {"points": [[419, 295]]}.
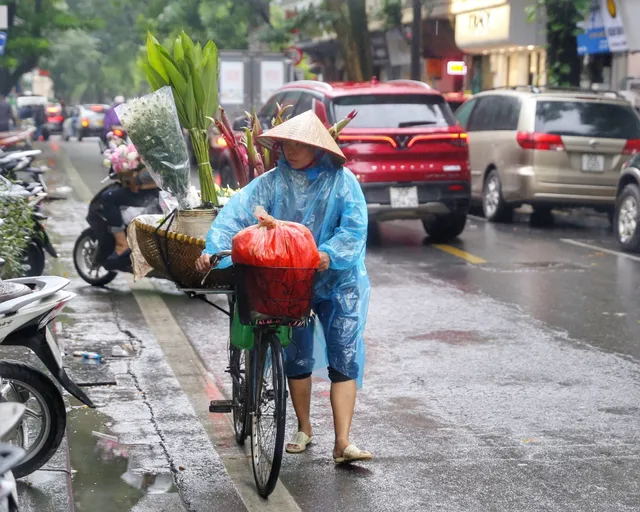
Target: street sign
{"points": [[3, 42], [4, 17], [295, 54]]}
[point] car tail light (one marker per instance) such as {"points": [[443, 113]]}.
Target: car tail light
{"points": [[631, 147], [97, 108], [52, 110], [456, 188], [457, 139], [540, 141], [84, 123], [368, 138], [222, 142]]}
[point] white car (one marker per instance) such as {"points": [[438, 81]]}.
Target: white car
{"points": [[84, 121]]}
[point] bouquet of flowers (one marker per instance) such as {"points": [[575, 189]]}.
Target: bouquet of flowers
{"points": [[122, 157], [153, 127], [191, 74]]}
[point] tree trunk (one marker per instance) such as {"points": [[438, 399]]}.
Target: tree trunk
{"points": [[348, 48], [361, 36]]}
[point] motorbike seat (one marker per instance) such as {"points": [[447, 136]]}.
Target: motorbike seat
{"points": [[10, 291]]}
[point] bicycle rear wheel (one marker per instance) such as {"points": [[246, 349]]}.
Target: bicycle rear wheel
{"points": [[237, 365], [269, 412]]}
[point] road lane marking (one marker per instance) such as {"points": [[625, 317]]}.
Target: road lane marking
{"points": [[196, 382], [600, 249], [454, 251]]}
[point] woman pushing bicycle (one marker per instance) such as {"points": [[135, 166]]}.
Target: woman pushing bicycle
{"points": [[310, 186]]}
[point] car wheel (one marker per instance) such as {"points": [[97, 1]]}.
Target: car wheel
{"points": [[445, 228], [541, 216], [627, 222], [493, 204]]}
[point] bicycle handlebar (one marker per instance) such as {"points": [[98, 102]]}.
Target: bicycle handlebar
{"points": [[215, 259]]}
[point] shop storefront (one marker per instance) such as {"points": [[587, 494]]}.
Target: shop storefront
{"points": [[503, 48]]}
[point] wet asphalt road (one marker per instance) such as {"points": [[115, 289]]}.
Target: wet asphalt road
{"points": [[502, 372]]}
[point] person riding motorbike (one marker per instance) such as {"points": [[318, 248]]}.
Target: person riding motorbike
{"points": [[111, 118], [138, 189]]}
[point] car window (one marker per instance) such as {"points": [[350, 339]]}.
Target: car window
{"points": [[290, 98], [270, 109], [507, 113], [397, 111], [304, 103], [464, 112], [587, 119], [483, 115]]}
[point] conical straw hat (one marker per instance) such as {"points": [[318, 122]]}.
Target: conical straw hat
{"points": [[307, 129]]}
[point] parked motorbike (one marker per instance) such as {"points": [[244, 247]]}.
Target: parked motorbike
{"points": [[11, 414], [96, 243], [27, 306], [19, 139]]}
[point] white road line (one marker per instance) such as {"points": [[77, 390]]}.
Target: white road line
{"points": [[186, 364], [600, 249]]}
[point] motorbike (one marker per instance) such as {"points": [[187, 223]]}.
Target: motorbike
{"points": [[19, 139], [11, 414], [27, 306], [118, 131], [96, 243], [34, 254]]}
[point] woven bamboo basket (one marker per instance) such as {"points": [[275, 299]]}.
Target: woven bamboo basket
{"points": [[180, 252]]}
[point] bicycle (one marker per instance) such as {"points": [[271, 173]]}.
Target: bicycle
{"points": [[259, 392]]}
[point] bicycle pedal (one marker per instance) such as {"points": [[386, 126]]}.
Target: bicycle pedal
{"points": [[221, 406]]}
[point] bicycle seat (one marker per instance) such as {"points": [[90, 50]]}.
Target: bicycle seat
{"points": [[10, 291]]}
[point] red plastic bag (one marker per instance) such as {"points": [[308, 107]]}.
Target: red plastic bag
{"points": [[275, 243], [283, 256]]}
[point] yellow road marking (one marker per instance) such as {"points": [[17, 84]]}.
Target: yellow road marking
{"points": [[475, 260]]}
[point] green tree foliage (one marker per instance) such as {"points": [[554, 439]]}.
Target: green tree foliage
{"points": [[36, 22], [562, 18], [347, 19]]}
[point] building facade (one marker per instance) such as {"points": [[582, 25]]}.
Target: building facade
{"points": [[503, 47]]}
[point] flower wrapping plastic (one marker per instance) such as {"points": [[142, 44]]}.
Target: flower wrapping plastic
{"points": [[152, 124]]}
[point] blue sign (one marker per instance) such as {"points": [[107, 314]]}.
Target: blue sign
{"points": [[594, 39], [3, 42]]}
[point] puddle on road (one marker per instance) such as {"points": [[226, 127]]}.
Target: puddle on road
{"points": [[106, 478]]}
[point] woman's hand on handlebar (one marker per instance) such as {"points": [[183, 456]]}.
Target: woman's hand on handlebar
{"points": [[325, 261], [203, 263]]}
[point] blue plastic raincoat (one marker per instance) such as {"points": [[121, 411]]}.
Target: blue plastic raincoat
{"points": [[329, 201]]}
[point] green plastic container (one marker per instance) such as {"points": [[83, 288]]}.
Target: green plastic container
{"points": [[242, 335]]}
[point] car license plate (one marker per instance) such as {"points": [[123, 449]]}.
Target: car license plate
{"points": [[593, 163], [100, 123], [403, 197]]}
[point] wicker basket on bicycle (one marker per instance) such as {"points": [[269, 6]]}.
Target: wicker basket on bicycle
{"points": [[274, 296], [173, 256]]}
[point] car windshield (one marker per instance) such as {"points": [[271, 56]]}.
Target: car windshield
{"points": [[587, 119], [385, 111]]}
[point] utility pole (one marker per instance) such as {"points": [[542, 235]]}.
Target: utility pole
{"points": [[416, 40]]}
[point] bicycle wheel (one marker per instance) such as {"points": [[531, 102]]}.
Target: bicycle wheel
{"points": [[237, 365], [269, 412]]}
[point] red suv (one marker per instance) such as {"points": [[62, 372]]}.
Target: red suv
{"points": [[406, 148]]}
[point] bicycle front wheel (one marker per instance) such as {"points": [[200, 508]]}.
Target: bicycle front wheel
{"points": [[269, 413]]}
